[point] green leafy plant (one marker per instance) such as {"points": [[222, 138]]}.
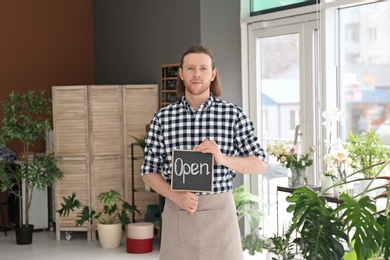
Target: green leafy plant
{"points": [[246, 203], [110, 213], [27, 118], [140, 140], [317, 224], [322, 229], [366, 149], [281, 245]]}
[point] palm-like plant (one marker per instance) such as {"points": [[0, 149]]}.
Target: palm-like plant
{"points": [[110, 213]]}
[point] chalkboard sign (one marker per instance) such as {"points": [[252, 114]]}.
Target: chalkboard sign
{"points": [[192, 170]]}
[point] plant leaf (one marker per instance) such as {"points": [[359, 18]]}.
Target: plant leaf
{"points": [[359, 220], [320, 230]]}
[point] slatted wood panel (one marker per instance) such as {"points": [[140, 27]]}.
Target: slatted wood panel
{"points": [[106, 138], [140, 104], [71, 144], [93, 129]]}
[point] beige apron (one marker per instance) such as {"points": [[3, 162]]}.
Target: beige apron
{"points": [[212, 233]]}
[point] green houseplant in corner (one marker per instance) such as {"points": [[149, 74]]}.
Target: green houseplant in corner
{"points": [[366, 149], [246, 203], [355, 221], [111, 219], [26, 119]]}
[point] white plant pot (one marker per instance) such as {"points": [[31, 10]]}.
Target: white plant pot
{"points": [[326, 182], [110, 235], [339, 189], [364, 184]]}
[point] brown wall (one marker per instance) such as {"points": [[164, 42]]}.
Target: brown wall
{"points": [[45, 43]]}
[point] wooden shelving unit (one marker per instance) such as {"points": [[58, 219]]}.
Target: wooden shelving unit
{"points": [[168, 83]]}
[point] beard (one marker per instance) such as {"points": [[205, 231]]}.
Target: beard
{"points": [[197, 90]]}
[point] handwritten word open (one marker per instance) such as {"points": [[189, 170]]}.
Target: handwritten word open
{"points": [[183, 169]]}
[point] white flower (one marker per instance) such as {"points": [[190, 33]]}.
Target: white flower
{"points": [[334, 114], [331, 171]]}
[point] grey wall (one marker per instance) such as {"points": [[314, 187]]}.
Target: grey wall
{"points": [[132, 38], [220, 31]]}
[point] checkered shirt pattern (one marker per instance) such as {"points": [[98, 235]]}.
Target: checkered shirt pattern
{"points": [[179, 126]]}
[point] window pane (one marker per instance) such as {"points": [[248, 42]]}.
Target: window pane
{"points": [[280, 86], [365, 69], [279, 80]]}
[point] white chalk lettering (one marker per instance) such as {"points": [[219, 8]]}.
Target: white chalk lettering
{"points": [[183, 169]]}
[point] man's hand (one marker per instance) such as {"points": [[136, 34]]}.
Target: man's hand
{"points": [[208, 146], [186, 200]]}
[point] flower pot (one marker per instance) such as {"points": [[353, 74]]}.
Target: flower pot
{"points": [[24, 234], [110, 235], [326, 183], [340, 189], [297, 178], [365, 183]]}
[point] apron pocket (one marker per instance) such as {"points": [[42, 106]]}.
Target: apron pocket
{"points": [[203, 229]]}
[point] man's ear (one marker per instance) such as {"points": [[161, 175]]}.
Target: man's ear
{"points": [[214, 74], [181, 73]]}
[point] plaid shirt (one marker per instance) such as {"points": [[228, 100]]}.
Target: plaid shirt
{"points": [[179, 126]]}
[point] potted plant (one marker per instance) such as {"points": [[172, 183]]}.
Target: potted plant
{"points": [[366, 149], [291, 157], [27, 118], [111, 219], [280, 247], [356, 221], [244, 202], [140, 140]]}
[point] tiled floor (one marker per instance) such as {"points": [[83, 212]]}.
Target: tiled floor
{"points": [[45, 247]]}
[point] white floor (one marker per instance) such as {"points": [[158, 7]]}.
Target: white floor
{"points": [[45, 247]]}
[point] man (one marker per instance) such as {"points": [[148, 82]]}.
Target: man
{"points": [[204, 123]]}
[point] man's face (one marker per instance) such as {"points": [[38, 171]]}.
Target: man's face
{"points": [[197, 74]]}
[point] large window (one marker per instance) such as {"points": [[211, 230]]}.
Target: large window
{"points": [[311, 62], [364, 58], [282, 88]]}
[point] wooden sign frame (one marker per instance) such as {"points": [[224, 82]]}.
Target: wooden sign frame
{"points": [[192, 171]]}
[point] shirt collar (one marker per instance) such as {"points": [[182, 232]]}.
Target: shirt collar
{"points": [[205, 105]]}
